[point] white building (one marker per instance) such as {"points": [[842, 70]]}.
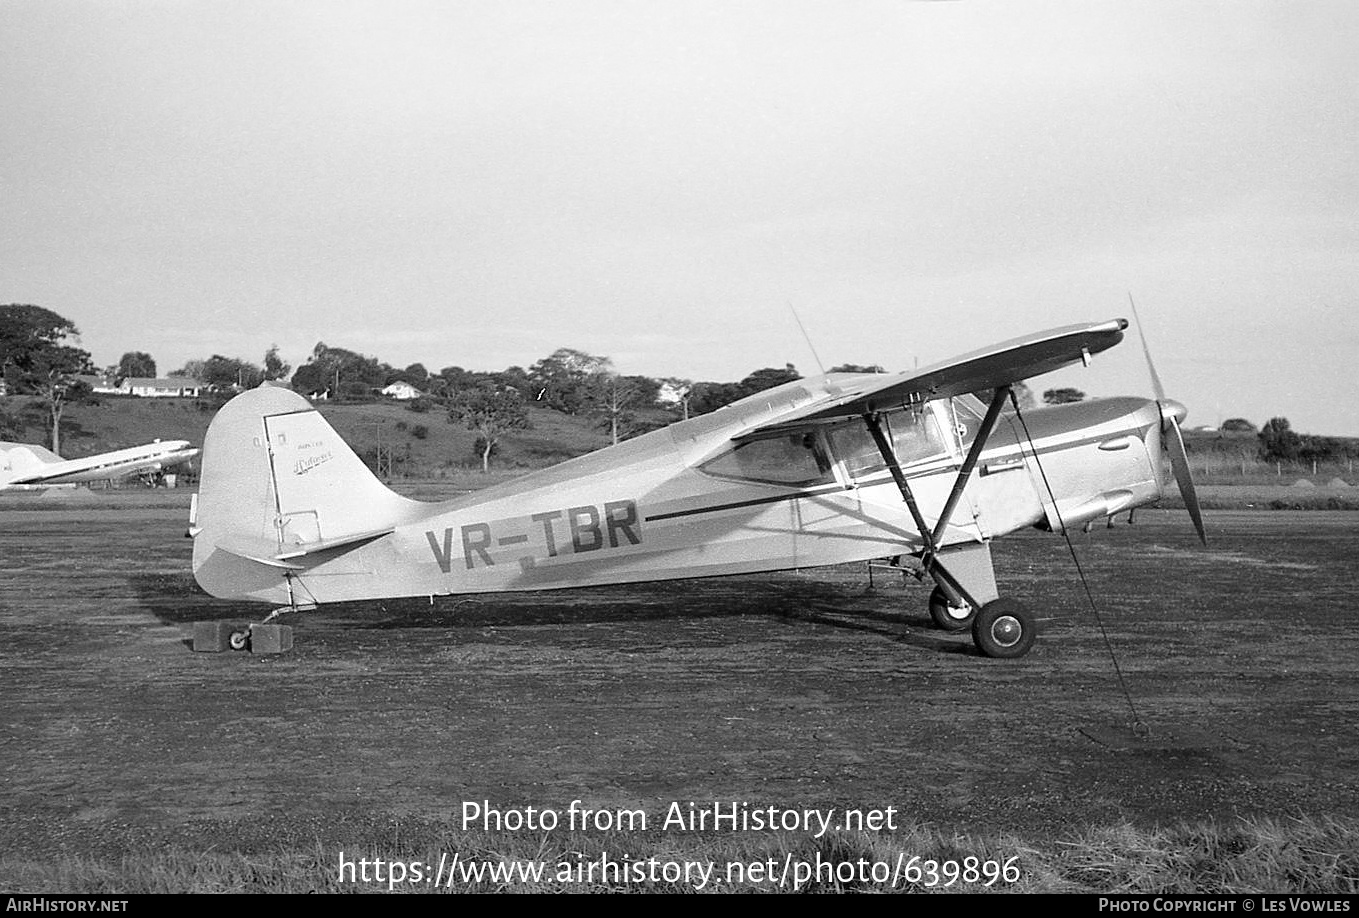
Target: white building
{"points": [[164, 387], [402, 391]]}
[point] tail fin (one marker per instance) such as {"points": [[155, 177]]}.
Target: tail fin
{"points": [[18, 460], [279, 484]]}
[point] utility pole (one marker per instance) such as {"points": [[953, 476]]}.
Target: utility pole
{"points": [[382, 455]]}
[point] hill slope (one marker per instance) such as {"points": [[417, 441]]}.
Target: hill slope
{"points": [[421, 444]]}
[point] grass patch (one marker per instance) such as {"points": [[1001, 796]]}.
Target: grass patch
{"points": [[1266, 497], [1254, 855]]}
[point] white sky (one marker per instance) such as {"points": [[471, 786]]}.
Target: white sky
{"points": [[480, 183]]}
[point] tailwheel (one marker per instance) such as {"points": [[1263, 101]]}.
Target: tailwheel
{"points": [[1004, 629], [950, 617], [240, 640]]}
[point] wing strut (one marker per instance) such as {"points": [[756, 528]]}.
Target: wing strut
{"points": [[889, 456], [978, 444], [952, 588]]}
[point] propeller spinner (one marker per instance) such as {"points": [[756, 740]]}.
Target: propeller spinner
{"points": [[1172, 416]]}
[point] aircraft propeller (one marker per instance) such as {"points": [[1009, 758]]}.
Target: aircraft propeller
{"points": [[1172, 415]]}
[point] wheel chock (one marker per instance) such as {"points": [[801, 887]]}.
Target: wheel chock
{"points": [[271, 638], [211, 637]]}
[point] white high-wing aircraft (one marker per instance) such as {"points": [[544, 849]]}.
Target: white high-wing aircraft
{"points": [[833, 469], [26, 464]]}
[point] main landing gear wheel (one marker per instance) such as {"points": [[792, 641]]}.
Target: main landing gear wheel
{"points": [[240, 640], [950, 617], [1003, 629]]}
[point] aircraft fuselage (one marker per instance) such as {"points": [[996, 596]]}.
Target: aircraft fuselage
{"points": [[685, 501]]}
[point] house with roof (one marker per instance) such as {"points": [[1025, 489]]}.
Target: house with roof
{"points": [[163, 387], [402, 391]]}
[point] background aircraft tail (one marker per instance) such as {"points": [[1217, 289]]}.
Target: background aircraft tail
{"points": [[20, 459], [280, 490]]}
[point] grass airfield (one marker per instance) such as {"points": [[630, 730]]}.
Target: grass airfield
{"points": [[130, 764]]}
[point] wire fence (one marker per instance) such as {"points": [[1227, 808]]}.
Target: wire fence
{"points": [[1226, 469]]}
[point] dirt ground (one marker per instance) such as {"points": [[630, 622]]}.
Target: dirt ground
{"points": [[799, 689]]}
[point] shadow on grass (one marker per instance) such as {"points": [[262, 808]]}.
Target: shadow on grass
{"points": [[176, 599]]}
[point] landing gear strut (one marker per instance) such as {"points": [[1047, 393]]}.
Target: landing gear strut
{"points": [[964, 573]]}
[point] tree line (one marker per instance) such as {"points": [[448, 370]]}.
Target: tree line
{"points": [[40, 360]]}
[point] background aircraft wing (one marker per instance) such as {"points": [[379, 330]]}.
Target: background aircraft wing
{"points": [[997, 365]]}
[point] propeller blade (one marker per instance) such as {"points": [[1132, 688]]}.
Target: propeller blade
{"points": [[1174, 440], [1151, 367], [1179, 462]]}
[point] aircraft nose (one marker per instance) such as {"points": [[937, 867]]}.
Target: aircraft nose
{"points": [[1173, 409]]}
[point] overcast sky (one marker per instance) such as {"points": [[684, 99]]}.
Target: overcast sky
{"points": [[480, 183]]}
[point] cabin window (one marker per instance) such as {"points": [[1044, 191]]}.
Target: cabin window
{"points": [[794, 459], [915, 438]]}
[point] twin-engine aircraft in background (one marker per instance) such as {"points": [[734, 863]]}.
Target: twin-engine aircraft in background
{"points": [[34, 466], [833, 469]]}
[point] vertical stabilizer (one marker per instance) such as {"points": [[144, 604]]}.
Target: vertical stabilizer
{"points": [[279, 485]]}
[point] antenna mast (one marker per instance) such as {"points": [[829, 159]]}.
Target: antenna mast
{"points": [[807, 338]]}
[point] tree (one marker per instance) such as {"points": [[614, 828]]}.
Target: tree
{"points": [[136, 364], [11, 426], [416, 375], [516, 378], [1063, 396], [230, 372], [36, 360], [309, 379], [490, 413], [192, 369], [25, 330], [1278, 441], [856, 368], [567, 379], [709, 396], [768, 378], [1238, 426], [340, 372], [274, 367], [617, 398], [678, 393]]}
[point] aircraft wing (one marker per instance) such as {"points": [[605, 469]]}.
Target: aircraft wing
{"points": [[988, 368]]}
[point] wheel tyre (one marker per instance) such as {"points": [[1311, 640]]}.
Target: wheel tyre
{"points": [[947, 617], [240, 640], [1004, 629]]}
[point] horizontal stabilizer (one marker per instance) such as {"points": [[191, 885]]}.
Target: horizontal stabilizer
{"points": [[351, 541], [988, 368], [256, 550]]}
